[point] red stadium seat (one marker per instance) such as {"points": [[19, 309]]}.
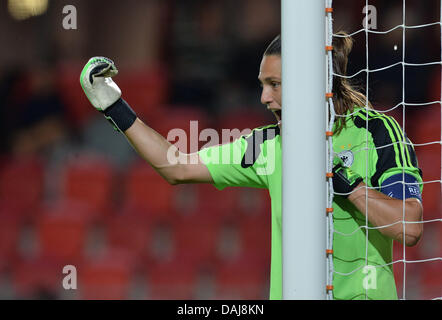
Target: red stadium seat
{"points": [[172, 279], [106, 277], [131, 231], [22, 182], [255, 239], [431, 201], [411, 253], [431, 248], [424, 273], [37, 278], [196, 242], [212, 201], [254, 203], [430, 164], [203, 202], [185, 199], [186, 122], [163, 242], [146, 189], [199, 204], [79, 109], [241, 279], [62, 231], [89, 179], [431, 280], [10, 227], [145, 90]]}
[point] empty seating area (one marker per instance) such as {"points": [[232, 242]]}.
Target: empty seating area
{"points": [[156, 242]]}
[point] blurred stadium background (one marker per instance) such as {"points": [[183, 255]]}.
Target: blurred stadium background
{"points": [[73, 192]]}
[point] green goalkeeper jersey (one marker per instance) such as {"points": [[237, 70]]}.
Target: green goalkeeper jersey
{"points": [[371, 145], [362, 262], [254, 161]]}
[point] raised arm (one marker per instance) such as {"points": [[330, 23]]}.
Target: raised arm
{"points": [[156, 150], [104, 94]]}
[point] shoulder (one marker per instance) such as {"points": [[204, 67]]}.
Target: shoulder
{"points": [[383, 128], [256, 142], [394, 150], [378, 122], [263, 132]]}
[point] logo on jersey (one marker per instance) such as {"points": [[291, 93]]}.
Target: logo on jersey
{"points": [[414, 190], [347, 157]]}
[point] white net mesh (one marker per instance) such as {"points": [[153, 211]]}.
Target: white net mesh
{"points": [[403, 62]]}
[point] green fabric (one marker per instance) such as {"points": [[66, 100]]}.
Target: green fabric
{"points": [[264, 173], [359, 264], [358, 256]]}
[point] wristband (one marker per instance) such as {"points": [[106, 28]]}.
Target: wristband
{"points": [[120, 115], [345, 180]]}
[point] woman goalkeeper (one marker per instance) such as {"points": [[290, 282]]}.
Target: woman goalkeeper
{"points": [[391, 163]]}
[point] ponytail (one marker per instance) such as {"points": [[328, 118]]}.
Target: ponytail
{"points": [[345, 97]]}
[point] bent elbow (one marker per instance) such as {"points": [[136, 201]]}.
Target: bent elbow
{"points": [[411, 241], [173, 175], [176, 177], [172, 179], [173, 182], [413, 235]]}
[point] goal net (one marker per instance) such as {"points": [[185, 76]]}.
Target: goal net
{"points": [[396, 62]]}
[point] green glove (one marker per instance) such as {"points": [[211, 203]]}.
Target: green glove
{"points": [[345, 180]]}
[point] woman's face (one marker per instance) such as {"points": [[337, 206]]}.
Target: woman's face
{"points": [[270, 79]]}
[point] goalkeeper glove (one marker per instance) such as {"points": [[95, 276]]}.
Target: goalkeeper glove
{"points": [[104, 94], [345, 180]]}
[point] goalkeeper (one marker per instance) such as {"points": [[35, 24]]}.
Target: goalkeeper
{"points": [[390, 163]]}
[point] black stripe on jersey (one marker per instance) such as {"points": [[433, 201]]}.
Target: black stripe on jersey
{"points": [[254, 142], [408, 151], [381, 138], [403, 138]]}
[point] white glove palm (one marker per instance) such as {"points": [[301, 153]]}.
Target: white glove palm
{"points": [[96, 81]]}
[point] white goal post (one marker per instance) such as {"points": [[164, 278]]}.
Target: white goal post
{"points": [[304, 149]]}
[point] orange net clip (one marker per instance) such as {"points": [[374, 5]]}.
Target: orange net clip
{"points": [[329, 210], [329, 175], [329, 133], [329, 95], [328, 10], [329, 251], [328, 48], [329, 288]]}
